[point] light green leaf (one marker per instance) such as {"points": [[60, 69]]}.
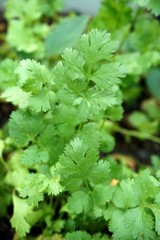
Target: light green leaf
{"points": [[138, 63], [31, 11], [152, 5], [16, 96], [42, 101], [32, 75], [7, 76], [37, 185], [27, 40], [156, 210], [23, 216], [65, 34], [34, 155]]}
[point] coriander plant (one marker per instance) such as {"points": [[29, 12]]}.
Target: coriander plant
{"points": [[57, 134]]}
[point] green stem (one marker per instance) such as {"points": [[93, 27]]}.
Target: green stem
{"points": [[87, 186], [80, 126], [127, 33], [102, 124], [133, 133], [4, 164]]}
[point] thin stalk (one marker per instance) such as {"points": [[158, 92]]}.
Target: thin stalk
{"points": [[4, 163], [87, 186], [127, 33], [133, 133], [80, 126], [102, 124]]}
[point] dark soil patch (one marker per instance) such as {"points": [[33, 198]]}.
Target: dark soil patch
{"points": [[6, 232], [5, 111], [141, 150]]}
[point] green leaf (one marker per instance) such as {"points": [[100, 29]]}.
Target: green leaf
{"points": [[115, 112], [23, 216], [16, 96], [78, 157], [138, 119], [74, 164], [34, 155], [102, 194], [98, 172], [79, 202], [26, 30], [136, 202], [131, 224], [27, 41], [107, 142], [90, 135], [156, 210], [55, 144], [108, 75], [144, 224], [126, 197], [51, 7], [82, 235], [7, 78], [143, 123], [96, 46], [42, 101], [63, 35], [152, 5], [116, 225], [78, 235], [38, 184], [138, 63], [25, 127], [83, 82], [36, 82], [105, 19], [138, 42], [54, 187], [153, 82], [30, 12], [16, 177], [32, 76], [143, 180], [66, 119]]}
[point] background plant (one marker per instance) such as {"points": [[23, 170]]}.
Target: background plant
{"points": [[136, 28]]}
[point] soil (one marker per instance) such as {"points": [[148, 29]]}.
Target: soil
{"points": [[6, 232], [3, 26], [140, 150], [5, 111]]}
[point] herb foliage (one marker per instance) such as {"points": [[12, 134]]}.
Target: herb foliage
{"points": [[53, 169]]}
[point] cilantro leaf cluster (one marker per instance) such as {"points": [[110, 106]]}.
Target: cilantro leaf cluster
{"points": [[57, 124]]}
